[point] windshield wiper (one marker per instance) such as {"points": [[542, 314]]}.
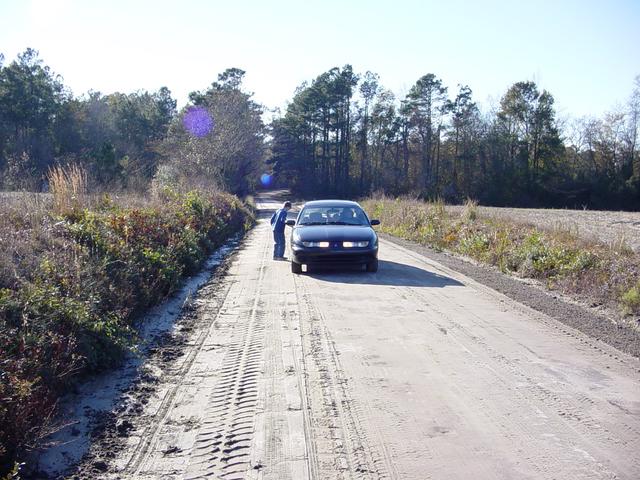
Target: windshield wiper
{"points": [[313, 223], [337, 223]]}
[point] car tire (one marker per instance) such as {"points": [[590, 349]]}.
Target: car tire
{"points": [[372, 266], [296, 268]]}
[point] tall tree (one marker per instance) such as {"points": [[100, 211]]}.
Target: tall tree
{"points": [[463, 110], [427, 101], [528, 119], [31, 96], [220, 139], [384, 129], [319, 127], [633, 132], [368, 90]]}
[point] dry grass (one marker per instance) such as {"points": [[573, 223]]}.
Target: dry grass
{"points": [[25, 231], [69, 186], [470, 211]]}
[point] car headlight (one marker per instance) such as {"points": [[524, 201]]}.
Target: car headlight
{"points": [[316, 244], [295, 237], [355, 244]]}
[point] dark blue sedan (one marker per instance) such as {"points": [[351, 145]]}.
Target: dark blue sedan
{"points": [[333, 232]]}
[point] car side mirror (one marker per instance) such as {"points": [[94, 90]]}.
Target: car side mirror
{"points": [[291, 223], [375, 222]]}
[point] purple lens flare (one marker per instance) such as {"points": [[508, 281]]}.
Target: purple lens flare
{"points": [[198, 121]]}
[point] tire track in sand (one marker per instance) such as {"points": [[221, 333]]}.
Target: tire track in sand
{"points": [[223, 444], [342, 447]]}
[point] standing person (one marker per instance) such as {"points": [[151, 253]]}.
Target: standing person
{"points": [[278, 222]]}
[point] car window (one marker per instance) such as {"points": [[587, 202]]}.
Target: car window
{"points": [[333, 216]]}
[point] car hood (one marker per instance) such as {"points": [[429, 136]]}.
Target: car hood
{"points": [[319, 233]]}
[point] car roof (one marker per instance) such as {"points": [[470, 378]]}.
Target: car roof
{"points": [[331, 203]]}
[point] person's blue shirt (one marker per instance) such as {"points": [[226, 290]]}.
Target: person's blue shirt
{"points": [[279, 220]]}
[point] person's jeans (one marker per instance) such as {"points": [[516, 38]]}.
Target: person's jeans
{"points": [[279, 243]]}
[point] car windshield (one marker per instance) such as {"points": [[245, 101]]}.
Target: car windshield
{"points": [[329, 215]]}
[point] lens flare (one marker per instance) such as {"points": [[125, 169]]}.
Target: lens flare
{"points": [[266, 179], [197, 121]]}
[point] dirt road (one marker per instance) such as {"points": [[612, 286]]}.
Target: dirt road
{"points": [[415, 372]]}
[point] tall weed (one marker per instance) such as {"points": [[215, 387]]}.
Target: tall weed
{"points": [[68, 184]]}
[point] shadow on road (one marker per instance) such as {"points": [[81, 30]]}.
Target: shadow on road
{"points": [[389, 273]]}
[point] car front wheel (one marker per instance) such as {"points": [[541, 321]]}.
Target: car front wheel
{"points": [[296, 268], [372, 266]]}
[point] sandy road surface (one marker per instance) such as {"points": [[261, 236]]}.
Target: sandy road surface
{"points": [[415, 372]]}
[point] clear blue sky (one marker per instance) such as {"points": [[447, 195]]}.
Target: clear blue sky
{"points": [[586, 53]]}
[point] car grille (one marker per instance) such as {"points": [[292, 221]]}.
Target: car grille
{"points": [[335, 259]]}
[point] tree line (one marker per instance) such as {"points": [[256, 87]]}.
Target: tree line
{"points": [[125, 140], [345, 134], [342, 134]]}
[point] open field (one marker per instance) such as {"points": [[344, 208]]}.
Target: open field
{"points": [[604, 226], [13, 196]]}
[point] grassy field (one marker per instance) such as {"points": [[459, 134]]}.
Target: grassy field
{"points": [[75, 273], [598, 272]]}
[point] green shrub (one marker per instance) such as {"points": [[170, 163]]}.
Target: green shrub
{"points": [[476, 245], [630, 299]]}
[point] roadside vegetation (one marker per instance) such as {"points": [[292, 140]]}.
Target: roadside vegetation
{"points": [[131, 197], [594, 272], [75, 273]]}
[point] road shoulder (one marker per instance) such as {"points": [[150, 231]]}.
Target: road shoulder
{"points": [[596, 326]]}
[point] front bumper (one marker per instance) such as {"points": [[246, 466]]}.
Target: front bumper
{"points": [[332, 256]]}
